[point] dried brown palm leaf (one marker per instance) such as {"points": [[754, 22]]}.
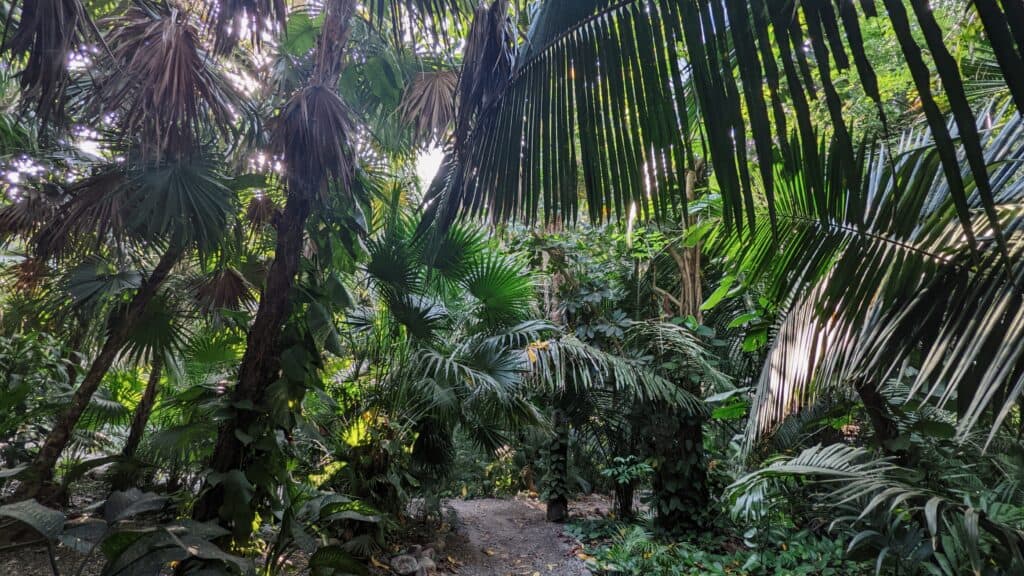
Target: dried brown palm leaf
{"points": [[25, 216], [237, 18], [224, 288], [47, 31], [262, 211], [313, 133], [428, 104], [167, 90], [96, 209]]}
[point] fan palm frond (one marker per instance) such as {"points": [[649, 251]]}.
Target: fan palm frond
{"points": [[48, 31], [165, 89], [185, 201], [503, 291], [428, 104]]}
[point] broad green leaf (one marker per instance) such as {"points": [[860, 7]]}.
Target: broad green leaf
{"points": [[46, 521]]}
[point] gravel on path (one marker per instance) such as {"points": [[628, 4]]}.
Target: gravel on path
{"points": [[509, 538]]}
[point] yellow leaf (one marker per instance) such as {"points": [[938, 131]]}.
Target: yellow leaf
{"points": [[378, 564], [489, 552]]}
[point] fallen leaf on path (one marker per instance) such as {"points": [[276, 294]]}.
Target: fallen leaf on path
{"points": [[378, 564], [489, 552]]}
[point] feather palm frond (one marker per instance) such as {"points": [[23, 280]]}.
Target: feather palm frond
{"points": [[872, 279]]}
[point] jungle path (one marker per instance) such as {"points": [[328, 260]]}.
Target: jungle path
{"points": [[509, 537]]}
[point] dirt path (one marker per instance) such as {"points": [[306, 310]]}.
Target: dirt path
{"points": [[510, 537]]}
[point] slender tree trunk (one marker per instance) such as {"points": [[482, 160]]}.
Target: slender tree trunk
{"points": [[557, 482], [39, 483], [624, 500], [145, 408], [261, 362], [680, 482], [126, 479]]}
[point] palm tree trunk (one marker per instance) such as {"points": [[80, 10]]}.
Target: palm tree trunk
{"points": [[261, 361], [557, 480], [145, 408], [39, 483]]}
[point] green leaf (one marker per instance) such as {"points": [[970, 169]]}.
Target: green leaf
{"points": [[46, 521], [719, 294], [301, 34], [125, 505], [732, 411], [335, 561]]}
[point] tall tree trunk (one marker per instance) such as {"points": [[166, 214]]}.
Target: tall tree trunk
{"points": [[624, 500], [39, 482], [557, 480], [261, 363]]}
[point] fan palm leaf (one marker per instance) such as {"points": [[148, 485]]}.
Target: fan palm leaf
{"points": [[166, 91], [48, 32]]}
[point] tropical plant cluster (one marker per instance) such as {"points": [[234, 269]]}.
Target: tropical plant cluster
{"points": [[753, 269]]}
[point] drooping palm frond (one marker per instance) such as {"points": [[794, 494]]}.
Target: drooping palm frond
{"points": [[28, 213], [611, 91], [871, 279], [568, 363], [234, 19], [165, 90], [48, 31], [852, 475], [313, 133], [428, 104], [692, 359]]}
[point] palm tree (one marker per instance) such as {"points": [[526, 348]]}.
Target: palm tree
{"points": [[166, 94], [315, 134]]}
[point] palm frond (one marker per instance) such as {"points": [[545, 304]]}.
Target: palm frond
{"points": [[428, 104], [566, 363], [164, 89], [48, 31], [853, 475], [866, 279]]}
